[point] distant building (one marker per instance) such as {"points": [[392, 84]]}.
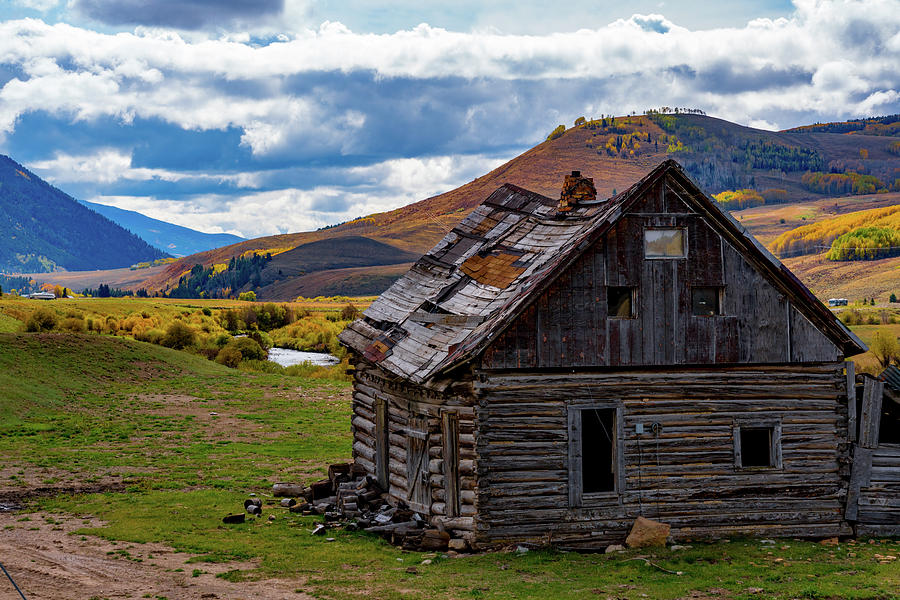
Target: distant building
{"points": [[41, 296], [837, 302]]}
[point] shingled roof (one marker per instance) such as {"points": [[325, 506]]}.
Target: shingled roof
{"points": [[463, 293]]}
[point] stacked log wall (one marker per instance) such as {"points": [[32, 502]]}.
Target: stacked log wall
{"points": [[406, 401], [687, 476], [879, 499]]}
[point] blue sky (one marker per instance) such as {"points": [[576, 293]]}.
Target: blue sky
{"points": [[273, 116]]}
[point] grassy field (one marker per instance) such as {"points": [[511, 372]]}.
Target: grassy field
{"points": [[160, 445]]}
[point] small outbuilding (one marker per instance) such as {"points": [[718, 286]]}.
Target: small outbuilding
{"points": [[555, 368]]}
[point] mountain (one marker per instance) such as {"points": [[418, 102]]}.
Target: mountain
{"points": [[173, 239], [617, 152], [44, 229]]}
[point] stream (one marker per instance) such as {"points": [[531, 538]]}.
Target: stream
{"points": [[287, 357]]}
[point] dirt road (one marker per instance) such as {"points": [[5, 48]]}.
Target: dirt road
{"points": [[49, 562]]}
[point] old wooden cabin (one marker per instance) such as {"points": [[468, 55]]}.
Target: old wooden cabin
{"points": [[553, 369]]}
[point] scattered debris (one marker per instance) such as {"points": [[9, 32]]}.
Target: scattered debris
{"points": [[833, 541], [288, 502], [656, 566], [319, 530], [614, 548], [231, 519], [280, 490]]}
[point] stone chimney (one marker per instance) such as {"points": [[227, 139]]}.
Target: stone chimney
{"points": [[576, 190]]}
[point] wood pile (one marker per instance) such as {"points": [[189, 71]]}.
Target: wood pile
{"points": [[351, 499]]}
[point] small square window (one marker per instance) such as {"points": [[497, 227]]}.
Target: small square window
{"points": [[665, 243], [620, 301], [706, 301], [757, 446]]}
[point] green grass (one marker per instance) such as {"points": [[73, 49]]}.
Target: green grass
{"points": [[87, 406], [138, 419]]}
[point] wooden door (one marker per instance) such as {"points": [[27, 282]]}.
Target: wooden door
{"points": [[418, 490], [382, 444], [450, 435]]}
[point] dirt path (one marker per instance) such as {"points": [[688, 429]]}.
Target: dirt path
{"points": [[49, 562]]}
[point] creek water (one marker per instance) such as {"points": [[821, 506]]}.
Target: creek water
{"points": [[287, 357]]}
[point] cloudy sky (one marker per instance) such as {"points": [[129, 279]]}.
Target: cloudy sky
{"points": [[270, 116]]}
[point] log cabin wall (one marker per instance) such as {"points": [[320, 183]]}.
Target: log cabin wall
{"points": [[686, 475], [418, 472], [568, 325], [879, 494]]}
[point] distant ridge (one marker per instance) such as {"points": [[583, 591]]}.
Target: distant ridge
{"points": [[44, 229], [615, 152], [168, 237]]}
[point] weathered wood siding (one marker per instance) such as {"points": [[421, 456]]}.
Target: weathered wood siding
{"points": [[567, 325], [686, 476], [416, 414], [879, 496]]}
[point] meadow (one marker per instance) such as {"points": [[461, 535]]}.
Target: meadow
{"points": [[202, 327], [128, 443]]}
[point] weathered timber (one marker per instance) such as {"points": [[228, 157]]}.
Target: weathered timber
{"points": [[550, 374], [870, 419]]}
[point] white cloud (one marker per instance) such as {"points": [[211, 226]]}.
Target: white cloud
{"points": [[328, 93], [384, 186], [112, 165], [157, 73]]}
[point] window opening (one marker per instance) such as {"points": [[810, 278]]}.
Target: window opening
{"points": [[665, 243], [706, 301], [598, 450], [756, 447], [620, 301]]}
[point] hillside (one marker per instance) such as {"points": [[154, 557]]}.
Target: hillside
{"points": [[172, 239], [852, 279], [720, 155], [44, 229]]}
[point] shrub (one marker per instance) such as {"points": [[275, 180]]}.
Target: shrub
{"points": [[151, 336], [179, 336], [739, 199], [556, 133], [886, 349], [262, 338], [43, 319], [851, 317], [247, 296], [249, 348], [206, 311], [349, 313], [230, 320], [229, 356], [866, 243], [72, 325]]}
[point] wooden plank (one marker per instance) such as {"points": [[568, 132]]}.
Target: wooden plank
{"points": [[450, 439], [870, 419], [850, 372], [575, 458], [859, 477], [382, 442]]}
